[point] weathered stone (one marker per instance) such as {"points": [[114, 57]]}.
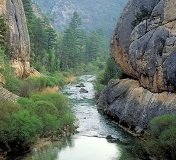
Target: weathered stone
{"points": [[141, 51], [18, 36], [127, 101]]}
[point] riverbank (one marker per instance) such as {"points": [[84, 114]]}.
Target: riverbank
{"points": [[27, 121]]}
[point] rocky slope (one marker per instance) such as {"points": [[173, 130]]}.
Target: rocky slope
{"points": [[147, 53], [94, 13], [18, 37]]}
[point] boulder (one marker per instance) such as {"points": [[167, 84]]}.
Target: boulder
{"points": [[82, 90], [147, 51], [80, 85]]}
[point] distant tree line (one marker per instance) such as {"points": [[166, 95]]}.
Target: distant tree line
{"points": [[51, 51]]}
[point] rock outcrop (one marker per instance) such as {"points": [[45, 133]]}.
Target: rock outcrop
{"points": [[146, 52], [18, 36], [133, 106]]}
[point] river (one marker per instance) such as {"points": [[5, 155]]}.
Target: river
{"points": [[90, 143]]}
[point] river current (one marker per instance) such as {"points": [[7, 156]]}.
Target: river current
{"points": [[90, 143]]}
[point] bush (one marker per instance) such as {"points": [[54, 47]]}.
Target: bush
{"points": [[18, 126], [162, 138], [25, 126], [111, 71], [42, 115], [12, 83], [58, 100], [34, 84]]}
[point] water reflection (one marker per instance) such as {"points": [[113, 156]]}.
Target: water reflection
{"points": [[86, 148]]}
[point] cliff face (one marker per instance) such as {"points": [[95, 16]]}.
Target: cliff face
{"points": [[147, 53], [18, 37]]}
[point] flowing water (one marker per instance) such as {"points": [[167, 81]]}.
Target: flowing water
{"points": [[90, 143]]}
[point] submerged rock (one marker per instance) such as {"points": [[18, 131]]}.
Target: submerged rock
{"points": [[82, 90], [80, 85]]}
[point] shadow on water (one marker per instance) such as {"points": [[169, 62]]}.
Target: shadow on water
{"points": [[91, 141]]}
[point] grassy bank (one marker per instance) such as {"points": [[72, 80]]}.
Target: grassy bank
{"points": [[39, 116], [41, 112]]}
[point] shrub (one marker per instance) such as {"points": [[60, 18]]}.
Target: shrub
{"points": [[27, 103], [162, 138], [12, 83], [59, 100], [50, 125], [25, 126], [42, 115], [18, 126], [44, 107], [111, 71]]}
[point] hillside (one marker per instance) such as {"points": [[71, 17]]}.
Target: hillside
{"points": [[94, 13]]}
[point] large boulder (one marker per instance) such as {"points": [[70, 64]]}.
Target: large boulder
{"points": [[147, 51]]}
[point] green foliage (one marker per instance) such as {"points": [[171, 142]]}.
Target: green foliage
{"points": [[17, 125], [35, 84], [103, 77], [58, 100], [111, 71], [93, 45], [42, 115], [140, 16], [71, 51], [162, 139], [12, 83], [2, 59], [24, 126]]}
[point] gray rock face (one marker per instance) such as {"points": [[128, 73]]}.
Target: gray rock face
{"points": [[146, 51], [126, 101], [18, 36]]}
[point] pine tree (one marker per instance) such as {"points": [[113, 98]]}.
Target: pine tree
{"points": [[72, 47]]}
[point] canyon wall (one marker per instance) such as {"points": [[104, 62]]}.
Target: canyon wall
{"points": [[146, 52], [18, 37]]}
